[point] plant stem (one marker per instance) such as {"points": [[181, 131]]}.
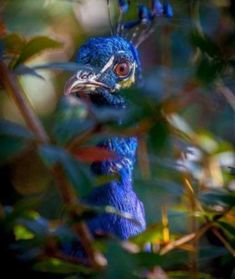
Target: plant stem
{"points": [[195, 15], [192, 205], [10, 83]]}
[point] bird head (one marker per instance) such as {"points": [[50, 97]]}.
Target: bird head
{"points": [[109, 64]]}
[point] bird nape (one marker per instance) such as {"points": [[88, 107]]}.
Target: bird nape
{"points": [[111, 64]]}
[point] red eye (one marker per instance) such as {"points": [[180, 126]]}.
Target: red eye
{"points": [[122, 69]]}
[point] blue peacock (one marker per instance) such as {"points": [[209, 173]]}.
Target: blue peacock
{"points": [[110, 65]]}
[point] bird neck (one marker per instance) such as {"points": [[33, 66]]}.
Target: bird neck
{"points": [[124, 149]]}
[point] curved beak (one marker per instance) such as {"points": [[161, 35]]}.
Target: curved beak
{"points": [[84, 81]]}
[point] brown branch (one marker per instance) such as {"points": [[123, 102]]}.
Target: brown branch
{"points": [[224, 241], [11, 84], [227, 93], [142, 154], [186, 238]]}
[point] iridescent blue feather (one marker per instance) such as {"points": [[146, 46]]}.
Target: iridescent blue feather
{"points": [[115, 64]]}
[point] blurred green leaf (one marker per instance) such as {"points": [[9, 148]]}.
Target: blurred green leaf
{"points": [[209, 69], [15, 130], [78, 175], [158, 135], [121, 264], [22, 233], [10, 147], [229, 228], [25, 70], [152, 234], [207, 253], [61, 66], [54, 265], [66, 130], [39, 226], [222, 198], [71, 119], [35, 46], [13, 139], [211, 62], [173, 259], [205, 44]]}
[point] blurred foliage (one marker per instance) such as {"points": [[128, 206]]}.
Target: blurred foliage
{"points": [[184, 119]]}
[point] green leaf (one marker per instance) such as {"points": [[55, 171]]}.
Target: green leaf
{"points": [[65, 131], [54, 265], [60, 66], [227, 227], [38, 226], [9, 128], [173, 259], [218, 198], [168, 187], [121, 264], [158, 135], [205, 44], [71, 119], [22, 233], [208, 253], [35, 46], [152, 233], [78, 175], [10, 147], [12, 139], [209, 69], [25, 70]]}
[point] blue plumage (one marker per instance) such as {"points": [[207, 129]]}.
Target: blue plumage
{"points": [[120, 195], [112, 64], [118, 61]]}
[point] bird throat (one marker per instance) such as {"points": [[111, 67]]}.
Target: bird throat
{"points": [[107, 99]]}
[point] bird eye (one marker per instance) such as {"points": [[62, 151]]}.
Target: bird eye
{"points": [[122, 69]]}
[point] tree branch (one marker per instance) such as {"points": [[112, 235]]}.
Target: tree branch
{"points": [[11, 84]]}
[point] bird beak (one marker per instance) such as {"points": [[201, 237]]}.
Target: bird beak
{"points": [[84, 81]]}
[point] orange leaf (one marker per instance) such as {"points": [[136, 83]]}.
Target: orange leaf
{"points": [[94, 154]]}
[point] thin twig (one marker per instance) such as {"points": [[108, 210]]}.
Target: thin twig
{"points": [[227, 93], [224, 241], [186, 238], [11, 84], [193, 205]]}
